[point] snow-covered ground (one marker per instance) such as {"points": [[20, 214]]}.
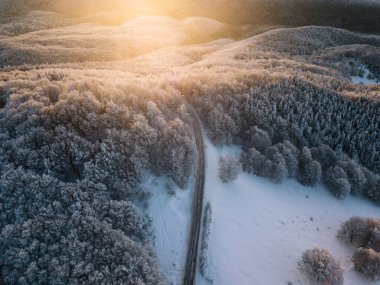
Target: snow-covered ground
{"points": [[171, 218], [364, 79], [260, 229]]}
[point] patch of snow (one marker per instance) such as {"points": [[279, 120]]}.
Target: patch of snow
{"points": [[171, 218], [260, 229], [365, 78]]}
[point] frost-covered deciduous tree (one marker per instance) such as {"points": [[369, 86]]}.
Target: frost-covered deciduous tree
{"points": [[176, 152], [290, 154], [253, 161], [275, 165], [257, 138], [355, 175], [337, 182], [320, 267], [325, 156], [371, 188], [359, 231], [223, 126], [229, 168], [310, 171], [367, 262]]}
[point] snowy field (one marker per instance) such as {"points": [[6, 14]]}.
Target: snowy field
{"points": [[171, 222], [260, 229]]}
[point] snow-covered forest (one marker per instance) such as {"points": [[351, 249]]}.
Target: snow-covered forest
{"points": [[73, 154], [303, 123], [94, 99]]}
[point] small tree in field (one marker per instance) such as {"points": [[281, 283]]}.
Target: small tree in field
{"points": [[367, 262], [359, 231], [229, 168], [320, 267]]}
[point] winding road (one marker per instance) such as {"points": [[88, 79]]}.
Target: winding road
{"points": [[192, 251]]}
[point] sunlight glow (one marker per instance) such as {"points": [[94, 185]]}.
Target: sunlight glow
{"points": [[130, 8]]}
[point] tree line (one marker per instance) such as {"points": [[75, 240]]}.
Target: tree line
{"points": [[290, 127]]}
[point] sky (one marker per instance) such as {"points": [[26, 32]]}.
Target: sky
{"points": [[359, 15]]}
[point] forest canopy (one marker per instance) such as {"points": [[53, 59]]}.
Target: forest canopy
{"points": [[73, 155]]}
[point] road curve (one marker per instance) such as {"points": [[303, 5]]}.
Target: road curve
{"points": [[197, 207]]}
